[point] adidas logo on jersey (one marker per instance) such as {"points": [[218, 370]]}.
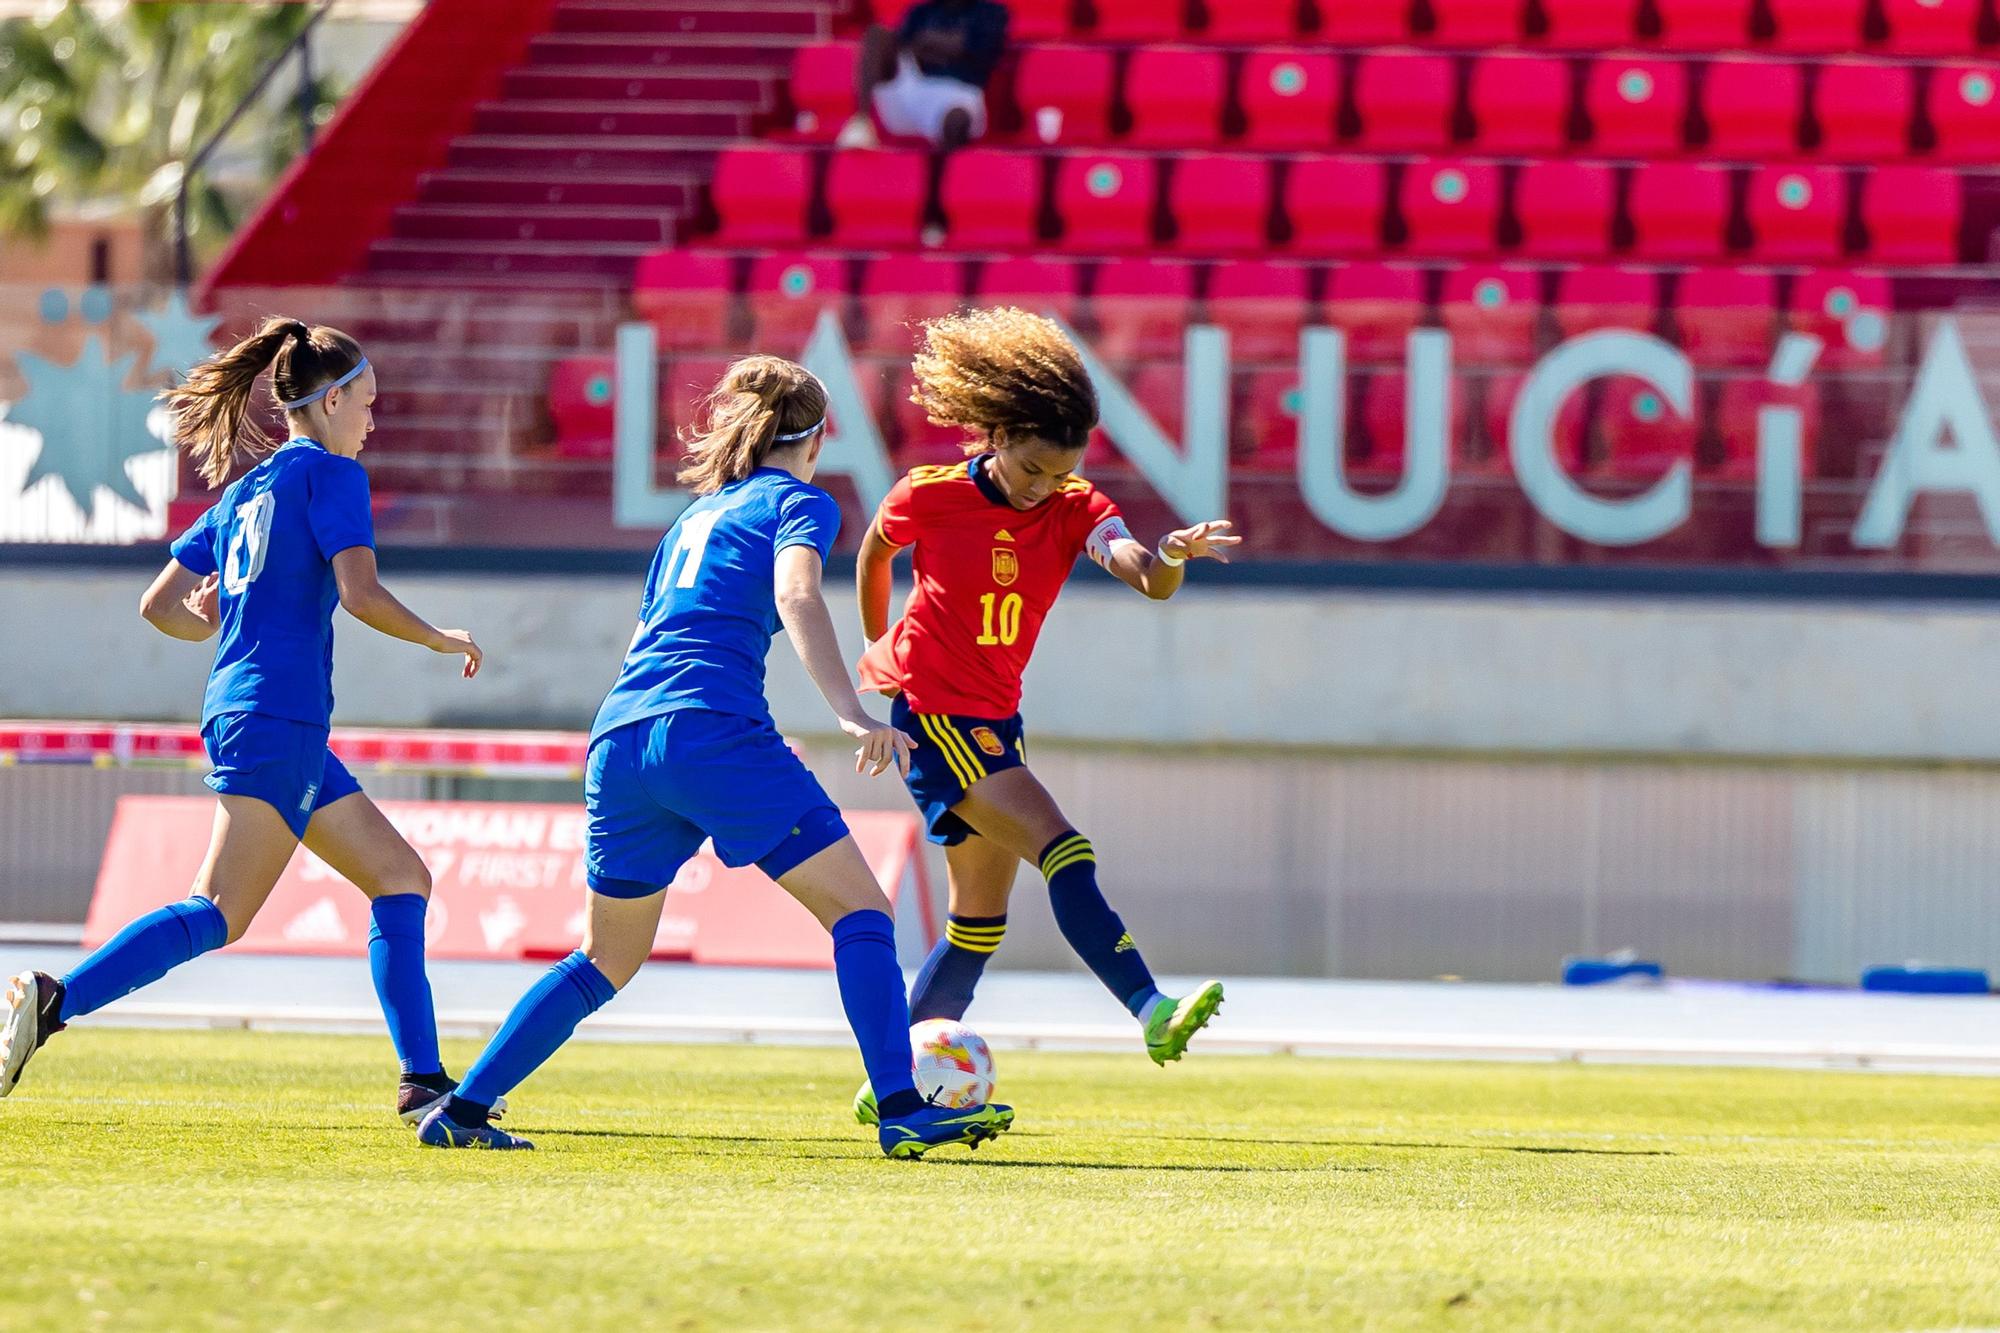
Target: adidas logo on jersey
{"points": [[1003, 536]]}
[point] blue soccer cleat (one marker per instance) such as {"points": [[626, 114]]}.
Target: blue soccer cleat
{"points": [[910, 1137], [439, 1130]]}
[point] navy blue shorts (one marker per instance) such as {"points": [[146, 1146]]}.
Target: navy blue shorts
{"points": [[952, 753], [655, 789], [283, 763]]}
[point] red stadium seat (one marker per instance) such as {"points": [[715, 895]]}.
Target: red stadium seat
{"points": [[1492, 312], [876, 197], [901, 292], [1335, 205], [1932, 27], [1964, 103], [1796, 212], [1376, 305], [1643, 436], [1221, 204], [582, 400], [1037, 20], [1847, 310], [1704, 25], [1142, 307], [1137, 20], [1864, 111], [1736, 411], [1520, 104], [1106, 202], [1263, 305], [1450, 208], [822, 88], [1045, 286], [1064, 93], [1567, 432], [1405, 100], [1588, 299], [1289, 98], [1589, 25], [760, 195], [1636, 107], [1252, 21], [1726, 316], [1679, 211], [786, 294], [1817, 25], [685, 295], [1912, 214], [1352, 23], [1175, 95], [1565, 209], [992, 200], [1384, 410], [1752, 108], [1476, 24], [1264, 424]]}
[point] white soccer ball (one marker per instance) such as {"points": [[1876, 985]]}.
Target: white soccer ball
{"points": [[953, 1066]]}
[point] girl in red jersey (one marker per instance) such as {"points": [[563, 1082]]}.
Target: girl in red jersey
{"points": [[995, 537]]}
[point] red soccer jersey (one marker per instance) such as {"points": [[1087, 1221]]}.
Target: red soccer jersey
{"points": [[987, 574]]}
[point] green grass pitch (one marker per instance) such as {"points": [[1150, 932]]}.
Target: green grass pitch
{"points": [[174, 1180]]}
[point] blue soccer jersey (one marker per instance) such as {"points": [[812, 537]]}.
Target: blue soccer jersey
{"points": [[709, 611], [272, 537]]}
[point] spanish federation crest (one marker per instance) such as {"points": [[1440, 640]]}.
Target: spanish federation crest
{"points": [[1006, 566]]}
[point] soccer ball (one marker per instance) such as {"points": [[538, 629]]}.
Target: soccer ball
{"points": [[953, 1067]]}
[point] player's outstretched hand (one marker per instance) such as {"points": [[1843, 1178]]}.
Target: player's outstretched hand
{"points": [[880, 747], [458, 641], [1213, 540], [206, 599]]}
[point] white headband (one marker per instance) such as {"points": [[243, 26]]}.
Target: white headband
{"points": [[816, 427], [325, 389]]}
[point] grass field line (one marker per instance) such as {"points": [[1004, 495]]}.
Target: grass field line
{"points": [[1892, 1056]]}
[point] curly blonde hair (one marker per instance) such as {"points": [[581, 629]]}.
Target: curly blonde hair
{"points": [[1004, 372]]}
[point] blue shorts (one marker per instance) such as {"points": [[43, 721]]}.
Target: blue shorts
{"points": [[656, 788], [952, 753], [283, 763]]}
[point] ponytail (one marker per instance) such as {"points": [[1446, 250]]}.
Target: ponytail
{"points": [[760, 405], [211, 408]]}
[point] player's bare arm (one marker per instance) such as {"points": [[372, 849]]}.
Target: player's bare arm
{"points": [[1158, 573], [180, 604], [807, 622], [364, 597], [873, 580]]}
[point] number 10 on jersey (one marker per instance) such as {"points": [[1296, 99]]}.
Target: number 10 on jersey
{"points": [[1009, 618]]}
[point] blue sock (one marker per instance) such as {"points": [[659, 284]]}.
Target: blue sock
{"points": [[142, 953], [542, 1020], [871, 990], [396, 961], [1069, 864], [946, 980]]}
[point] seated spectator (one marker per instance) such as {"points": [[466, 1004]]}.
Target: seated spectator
{"points": [[928, 78]]}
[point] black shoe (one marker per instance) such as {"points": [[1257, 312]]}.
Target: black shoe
{"points": [[418, 1094]]}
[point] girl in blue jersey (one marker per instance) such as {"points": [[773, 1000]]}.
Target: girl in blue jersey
{"points": [[261, 571], [684, 750]]}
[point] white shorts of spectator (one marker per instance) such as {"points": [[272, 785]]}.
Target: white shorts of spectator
{"points": [[914, 104]]}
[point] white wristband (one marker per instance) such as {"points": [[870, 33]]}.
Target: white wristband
{"points": [[1169, 560]]}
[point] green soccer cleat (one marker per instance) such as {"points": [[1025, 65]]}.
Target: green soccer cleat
{"points": [[1174, 1025], [913, 1135], [864, 1106]]}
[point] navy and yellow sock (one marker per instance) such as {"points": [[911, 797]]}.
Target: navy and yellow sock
{"points": [[948, 977], [1069, 864]]}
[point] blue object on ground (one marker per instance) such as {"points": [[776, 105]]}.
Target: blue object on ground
{"points": [[1917, 979], [1598, 971]]}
